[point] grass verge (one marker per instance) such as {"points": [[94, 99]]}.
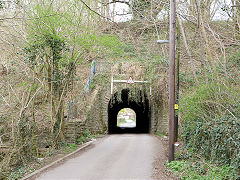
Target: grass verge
{"points": [[189, 166]]}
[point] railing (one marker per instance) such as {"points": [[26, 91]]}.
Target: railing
{"points": [[96, 68], [86, 87], [72, 106]]}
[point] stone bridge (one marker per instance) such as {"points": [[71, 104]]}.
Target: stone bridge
{"points": [[103, 106]]}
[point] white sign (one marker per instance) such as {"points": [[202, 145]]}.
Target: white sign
{"points": [[130, 80]]}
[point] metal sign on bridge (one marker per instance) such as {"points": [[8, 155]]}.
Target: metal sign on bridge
{"points": [[129, 81]]}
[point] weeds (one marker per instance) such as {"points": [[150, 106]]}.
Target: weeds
{"points": [[200, 170], [85, 137], [159, 134]]}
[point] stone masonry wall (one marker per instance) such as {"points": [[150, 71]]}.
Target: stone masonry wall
{"points": [[97, 117]]}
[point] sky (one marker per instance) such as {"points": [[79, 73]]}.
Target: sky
{"points": [[121, 8], [218, 15]]}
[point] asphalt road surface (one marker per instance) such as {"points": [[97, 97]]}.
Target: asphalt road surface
{"points": [[115, 157]]}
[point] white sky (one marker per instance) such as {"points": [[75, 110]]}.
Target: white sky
{"points": [[218, 14], [121, 8]]}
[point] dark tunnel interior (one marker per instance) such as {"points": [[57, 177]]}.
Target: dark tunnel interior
{"points": [[141, 108]]}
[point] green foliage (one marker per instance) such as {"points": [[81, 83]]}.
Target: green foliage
{"points": [[177, 165], [20, 172], [86, 133], [1, 5], [81, 140], [159, 134], [47, 52], [234, 61], [111, 42], [108, 45], [140, 7], [48, 47], [72, 146], [186, 78], [69, 147], [129, 48], [57, 42], [68, 32], [86, 136], [39, 46], [211, 122], [154, 63], [200, 170]]}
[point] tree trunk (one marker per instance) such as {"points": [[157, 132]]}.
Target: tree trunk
{"points": [[187, 49], [204, 35]]}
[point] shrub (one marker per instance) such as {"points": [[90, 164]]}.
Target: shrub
{"points": [[211, 123], [201, 170]]}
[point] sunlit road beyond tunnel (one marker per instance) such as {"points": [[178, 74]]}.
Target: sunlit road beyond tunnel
{"points": [[140, 104]]}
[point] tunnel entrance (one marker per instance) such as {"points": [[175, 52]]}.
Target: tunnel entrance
{"points": [[139, 104]]}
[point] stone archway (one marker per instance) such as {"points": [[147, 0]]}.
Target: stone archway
{"points": [[141, 108]]}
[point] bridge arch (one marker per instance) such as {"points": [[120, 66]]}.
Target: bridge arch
{"points": [[140, 104]]}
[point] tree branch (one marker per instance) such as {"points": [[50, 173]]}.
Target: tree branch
{"points": [[116, 1], [96, 12]]}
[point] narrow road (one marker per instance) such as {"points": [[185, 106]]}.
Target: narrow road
{"points": [[128, 123], [128, 156]]}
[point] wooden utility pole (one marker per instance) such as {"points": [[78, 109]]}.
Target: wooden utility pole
{"points": [[177, 80], [172, 50]]}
